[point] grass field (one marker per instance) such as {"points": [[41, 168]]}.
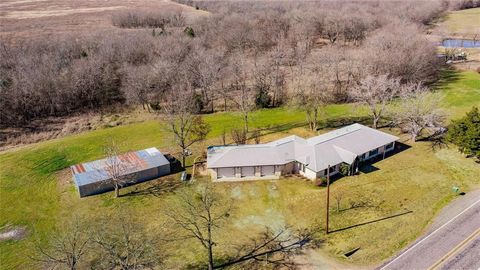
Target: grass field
{"points": [[461, 91], [463, 22], [34, 191]]}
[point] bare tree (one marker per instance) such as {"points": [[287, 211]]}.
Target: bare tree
{"points": [[206, 67], [419, 113], [117, 170], [310, 95], [239, 136], [333, 27], [66, 247], [376, 92], [186, 127], [223, 136], [276, 59], [244, 98], [198, 214], [123, 244], [256, 136], [402, 51], [338, 195], [276, 248]]}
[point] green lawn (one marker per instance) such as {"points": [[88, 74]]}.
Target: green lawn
{"points": [[34, 191], [461, 92], [29, 190], [417, 180]]}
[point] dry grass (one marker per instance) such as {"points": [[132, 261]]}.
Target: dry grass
{"points": [[57, 127], [40, 18], [459, 24], [465, 23]]}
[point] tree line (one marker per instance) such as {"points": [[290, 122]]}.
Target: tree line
{"points": [[237, 58]]}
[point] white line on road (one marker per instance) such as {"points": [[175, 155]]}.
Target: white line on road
{"points": [[419, 242]]}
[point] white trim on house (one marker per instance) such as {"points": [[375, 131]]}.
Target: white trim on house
{"points": [[293, 154]]}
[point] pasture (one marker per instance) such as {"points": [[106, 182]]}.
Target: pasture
{"points": [[403, 191]]}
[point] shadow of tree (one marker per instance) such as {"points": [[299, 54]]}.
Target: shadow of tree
{"points": [[338, 122], [281, 128], [372, 221], [447, 76], [156, 187], [161, 185], [335, 122]]}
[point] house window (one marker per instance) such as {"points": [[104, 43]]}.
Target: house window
{"points": [[332, 169], [389, 146], [302, 167], [373, 153]]}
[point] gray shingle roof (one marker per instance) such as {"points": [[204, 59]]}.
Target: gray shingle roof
{"points": [[341, 145]]}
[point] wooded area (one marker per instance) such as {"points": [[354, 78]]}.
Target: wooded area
{"points": [[240, 57]]}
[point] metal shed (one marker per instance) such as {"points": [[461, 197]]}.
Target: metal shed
{"points": [[92, 177]]}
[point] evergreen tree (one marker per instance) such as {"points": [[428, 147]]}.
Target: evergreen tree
{"points": [[262, 97], [465, 133]]}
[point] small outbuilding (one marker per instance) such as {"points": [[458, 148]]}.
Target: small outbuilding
{"points": [[93, 177]]}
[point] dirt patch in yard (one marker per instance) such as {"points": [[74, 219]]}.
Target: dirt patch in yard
{"points": [[12, 233]]}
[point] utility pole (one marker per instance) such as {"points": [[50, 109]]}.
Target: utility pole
{"points": [[328, 198]]}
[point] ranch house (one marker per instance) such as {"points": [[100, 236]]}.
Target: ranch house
{"points": [[310, 158]]}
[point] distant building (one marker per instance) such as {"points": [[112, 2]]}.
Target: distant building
{"points": [[295, 155], [93, 178]]}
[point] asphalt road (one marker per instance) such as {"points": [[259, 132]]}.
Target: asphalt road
{"points": [[468, 258], [452, 242]]}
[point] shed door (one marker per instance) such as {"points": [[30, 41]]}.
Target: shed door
{"points": [[248, 171], [268, 170], [226, 172]]}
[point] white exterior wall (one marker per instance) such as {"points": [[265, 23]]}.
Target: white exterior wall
{"points": [[275, 171], [309, 174]]}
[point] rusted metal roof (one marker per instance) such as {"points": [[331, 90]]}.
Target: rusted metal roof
{"points": [[131, 162]]}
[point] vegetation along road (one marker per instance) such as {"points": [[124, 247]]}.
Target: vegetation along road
{"points": [[452, 243]]}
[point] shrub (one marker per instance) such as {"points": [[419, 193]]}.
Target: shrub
{"points": [[189, 31], [239, 136], [137, 19], [319, 181], [344, 169], [262, 98], [198, 104]]}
